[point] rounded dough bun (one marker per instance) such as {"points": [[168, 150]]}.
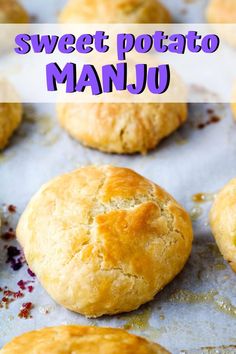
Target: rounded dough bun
{"points": [[11, 11], [223, 222], [114, 11], [219, 11], [10, 119], [121, 128], [81, 340], [104, 240]]}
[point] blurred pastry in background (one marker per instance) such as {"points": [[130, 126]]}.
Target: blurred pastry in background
{"points": [[119, 128], [10, 119], [80, 340], [233, 104], [115, 11], [127, 128], [223, 222], [219, 11], [234, 109], [11, 11], [110, 238], [223, 12], [123, 128]]}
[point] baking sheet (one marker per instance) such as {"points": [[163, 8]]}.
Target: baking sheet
{"points": [[198, 309]]}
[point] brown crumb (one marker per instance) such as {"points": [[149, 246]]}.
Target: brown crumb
{"points": [[25, 311], [11, 208], [215, 119], [212, 120], [210, 111], [8, 297], [9, 235]]}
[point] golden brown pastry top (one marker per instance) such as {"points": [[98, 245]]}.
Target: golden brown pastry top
{"points": [[111, 239], [223, 222], [80, 340], [11, 11], [121, 127], [115, 11]]}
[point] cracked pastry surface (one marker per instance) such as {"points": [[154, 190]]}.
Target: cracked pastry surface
{"points": [[10, 119], [104, 240], [11, 11], [223, 222], [115, 11], [81, 340], [121, 128]]}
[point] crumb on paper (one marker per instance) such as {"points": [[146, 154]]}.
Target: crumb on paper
{"points": [[24, 285], [15, 257], [203, 197], [8, 296], [223, 304], [212, 120], [11, 208], [9, 234], [25, 310], [189, 297], [31, 273], [138, 321]]}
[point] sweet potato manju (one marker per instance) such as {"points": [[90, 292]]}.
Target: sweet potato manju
{"points": [[156, 79], [113, 76]]}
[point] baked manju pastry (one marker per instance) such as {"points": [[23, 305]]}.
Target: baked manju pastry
{"points": [[121, 127], [115, 11], [223, 12], [10, 119], [80, 340], [11, 11], [219, 11], [104, 240], [223, 222]]}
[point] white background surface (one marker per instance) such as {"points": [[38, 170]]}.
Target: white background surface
{"points": [[204, 163]]}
